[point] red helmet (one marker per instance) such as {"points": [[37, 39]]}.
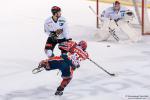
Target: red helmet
{"points": [[83, 45], [55, 9]]}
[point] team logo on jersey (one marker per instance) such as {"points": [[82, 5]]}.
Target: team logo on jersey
{"points": [[61, 24]]}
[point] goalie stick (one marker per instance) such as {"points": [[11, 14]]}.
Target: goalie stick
{"points": [[95, 13], [111, 31], [111, 74]]}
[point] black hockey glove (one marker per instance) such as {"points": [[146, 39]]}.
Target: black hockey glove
{"points": [[56, 33], [75, 67], [116, 20], [63, 40], [53, 36]]}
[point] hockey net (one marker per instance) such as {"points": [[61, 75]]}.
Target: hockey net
{"points": [[141, 9]]}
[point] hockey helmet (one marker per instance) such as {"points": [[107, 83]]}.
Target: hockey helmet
{"points": [[83, 45], [116, 5], [55, 9], [116, 2]]}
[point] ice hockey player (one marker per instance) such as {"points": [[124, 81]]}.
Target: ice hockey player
{"points": [[118, 17], [66, 63], [116, 12], [56, 28]]}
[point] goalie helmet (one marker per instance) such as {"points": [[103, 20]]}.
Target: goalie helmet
{"points": [[55, 9], [116, 2], [116, 5], [83, 45]]}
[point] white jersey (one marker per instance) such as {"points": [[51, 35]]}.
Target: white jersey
{"points": [[50, 26], [112, 14]]}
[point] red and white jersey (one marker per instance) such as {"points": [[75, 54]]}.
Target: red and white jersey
{"points": [[50, 26], [79, 53], [76, 54], [67, 46], [112, 14]]}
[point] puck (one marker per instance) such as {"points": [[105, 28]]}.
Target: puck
{"points": [[108, 45]]}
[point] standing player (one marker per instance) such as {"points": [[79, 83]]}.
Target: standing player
{"points": [[66, 63], [56, 28], [118, 17]]}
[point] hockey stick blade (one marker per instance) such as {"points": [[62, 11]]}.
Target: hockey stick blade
{"points": [[111, 74]]}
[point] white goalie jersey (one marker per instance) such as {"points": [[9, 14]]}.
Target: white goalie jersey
{"points": [[110, 13]]}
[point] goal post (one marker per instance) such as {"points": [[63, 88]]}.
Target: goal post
{"points": [[145, 17], [97, 12]]}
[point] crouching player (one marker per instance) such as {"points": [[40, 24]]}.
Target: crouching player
{"points": [[67, 62]]}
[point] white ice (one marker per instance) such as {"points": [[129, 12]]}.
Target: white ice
{"points": [[22, 43]]}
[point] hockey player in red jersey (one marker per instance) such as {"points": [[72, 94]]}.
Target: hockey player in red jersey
{"points": [[67, 62]]}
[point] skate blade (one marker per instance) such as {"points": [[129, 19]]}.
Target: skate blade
{"points": [[37, 70]]}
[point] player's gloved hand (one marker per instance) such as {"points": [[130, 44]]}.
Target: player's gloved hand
{"points": [[116, 20], [63, 40], [69, 39], [78, 66], [129, 13], [53, 36], [75, 67], [66, 40], [58, 31]]}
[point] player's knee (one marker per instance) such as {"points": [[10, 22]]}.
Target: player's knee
{"points": [[49, 53]]}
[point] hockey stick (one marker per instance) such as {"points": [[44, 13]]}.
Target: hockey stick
{"points": [[95, 13], [111, 31], [111, 74]]}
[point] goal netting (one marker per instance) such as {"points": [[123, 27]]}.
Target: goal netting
{"points": [[142, 12]]}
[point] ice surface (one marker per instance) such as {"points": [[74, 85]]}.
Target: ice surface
{"points": [[21, 48]]}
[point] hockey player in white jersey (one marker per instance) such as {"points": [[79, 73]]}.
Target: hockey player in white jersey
{"points": [[56, 28], [118, 17]]}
